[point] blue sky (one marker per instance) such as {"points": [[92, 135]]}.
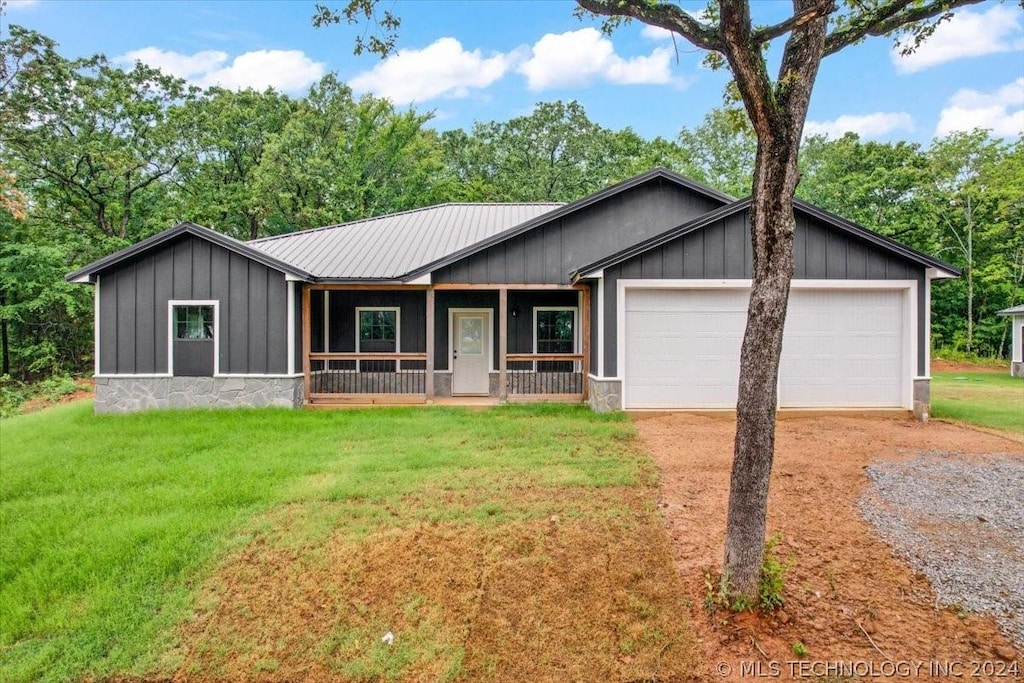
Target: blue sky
{"points": [[489, 60]]}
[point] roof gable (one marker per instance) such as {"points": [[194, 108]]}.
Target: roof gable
{"points": [[574, 207], [800, 207], [87, 273]]}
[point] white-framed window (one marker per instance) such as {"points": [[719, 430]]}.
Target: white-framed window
{"points": [[378, 330], [193, 323], [555, 330]]}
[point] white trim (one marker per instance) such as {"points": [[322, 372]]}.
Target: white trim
{"points": [[170, 331], [910, 320], [451, 336], [220, 376], [575, 328], [398, 330], [927, 329], [603, 379], [84, 279], [96, 328], [424, 279], [938, 274], [293, 278], [291, 327], [600, 325]]}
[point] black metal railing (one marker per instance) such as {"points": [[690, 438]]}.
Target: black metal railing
{"points": [[544, 373], [333, 374]]}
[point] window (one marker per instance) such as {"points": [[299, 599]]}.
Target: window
{"points": [[555, 332], [378, 333], [378, 326], [193, 322]]}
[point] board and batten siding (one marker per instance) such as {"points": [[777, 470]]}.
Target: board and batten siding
{"points": [[722, 250], [549, 253], [133, 314]]}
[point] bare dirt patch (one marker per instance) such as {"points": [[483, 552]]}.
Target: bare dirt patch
{"points": [[844, 584], [942, 365], [565, 597]]}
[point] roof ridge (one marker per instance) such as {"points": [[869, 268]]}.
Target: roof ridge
{"points": [[360, 221]]}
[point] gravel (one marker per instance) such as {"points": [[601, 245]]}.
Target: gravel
{"points": [[960, 522]]}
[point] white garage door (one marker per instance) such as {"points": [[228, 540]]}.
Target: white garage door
{"points": [[842, 348]]}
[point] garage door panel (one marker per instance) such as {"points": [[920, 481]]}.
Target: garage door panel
{"points": [[842, 348]]}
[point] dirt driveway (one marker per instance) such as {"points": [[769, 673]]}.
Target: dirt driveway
{"points": [[849, 597]]}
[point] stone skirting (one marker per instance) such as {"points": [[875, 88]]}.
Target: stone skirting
{"points": [[129, 394], [922, 398], [1017, 369], [605, 394], [443, 384]]}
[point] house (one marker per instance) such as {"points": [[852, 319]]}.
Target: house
{"points": [[1016, 316], [631, 298]]}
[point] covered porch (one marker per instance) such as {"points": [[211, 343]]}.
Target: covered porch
{"points": [[415, 343]]}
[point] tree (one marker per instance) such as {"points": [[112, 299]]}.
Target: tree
{"points": [[777, 109], [555, 153], [218, 186], [340, 159], [723, 148]]}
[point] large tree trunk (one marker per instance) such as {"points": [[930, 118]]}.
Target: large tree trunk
{"points": [[771, 227], [777, 112]]}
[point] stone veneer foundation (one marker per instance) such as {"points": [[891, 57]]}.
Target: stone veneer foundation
{"points": [[1016, 369], [605, 394], [923, 399], [129, 394]]}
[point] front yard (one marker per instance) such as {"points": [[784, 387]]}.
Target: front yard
{"points": [[519, 543], [981, 396]]}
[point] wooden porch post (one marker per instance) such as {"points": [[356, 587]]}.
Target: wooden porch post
{"points": [[585, 323], [503, 344], [429, 379], [306, 344]]}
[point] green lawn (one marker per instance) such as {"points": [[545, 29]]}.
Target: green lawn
{"points": [[113, 525], [988, 399]]}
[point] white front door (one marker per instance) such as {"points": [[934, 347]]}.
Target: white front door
{"points": [[470, 357]]}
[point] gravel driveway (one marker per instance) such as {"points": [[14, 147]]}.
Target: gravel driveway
{"points": [[960, 522]]}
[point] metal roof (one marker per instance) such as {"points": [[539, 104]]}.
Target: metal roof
{"points": [[87, 273], [388, 247], [1016, 310], [799, 206]]}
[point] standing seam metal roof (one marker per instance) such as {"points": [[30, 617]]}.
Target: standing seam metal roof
{"points": [[388, 247]]}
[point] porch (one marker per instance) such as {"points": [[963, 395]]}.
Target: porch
{"points": [[369, 344]]}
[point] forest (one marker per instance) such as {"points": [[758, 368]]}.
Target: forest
{"points": [[94, 157]]}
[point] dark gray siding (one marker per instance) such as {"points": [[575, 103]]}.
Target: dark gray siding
{"points": [[343, 303], [134, 313], [722, 251], [549, 253]]}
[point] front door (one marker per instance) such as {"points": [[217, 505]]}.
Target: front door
{"points": [[470, 357]]}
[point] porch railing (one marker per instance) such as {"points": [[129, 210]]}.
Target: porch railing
{"points": [[367, 377], [551, 376]]}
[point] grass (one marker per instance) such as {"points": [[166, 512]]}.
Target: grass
{"points": [[988, 399], [112, 525]]}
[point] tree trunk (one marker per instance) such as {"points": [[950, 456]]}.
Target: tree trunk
{"points": [[777, 112], [771, 225], [6, 369]]}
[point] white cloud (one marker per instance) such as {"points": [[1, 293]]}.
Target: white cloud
{"points": [[1001, 111], [175, 63], [872, 125], [576, 58], [442, 69], [285, 70], [967, 34], [655, 33]]}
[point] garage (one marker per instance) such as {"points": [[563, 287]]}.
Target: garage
{"points": [[843, 347]]}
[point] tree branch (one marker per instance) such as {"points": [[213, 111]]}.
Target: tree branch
{"points": [[769, 33], [886, 18], [664, 15]]}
